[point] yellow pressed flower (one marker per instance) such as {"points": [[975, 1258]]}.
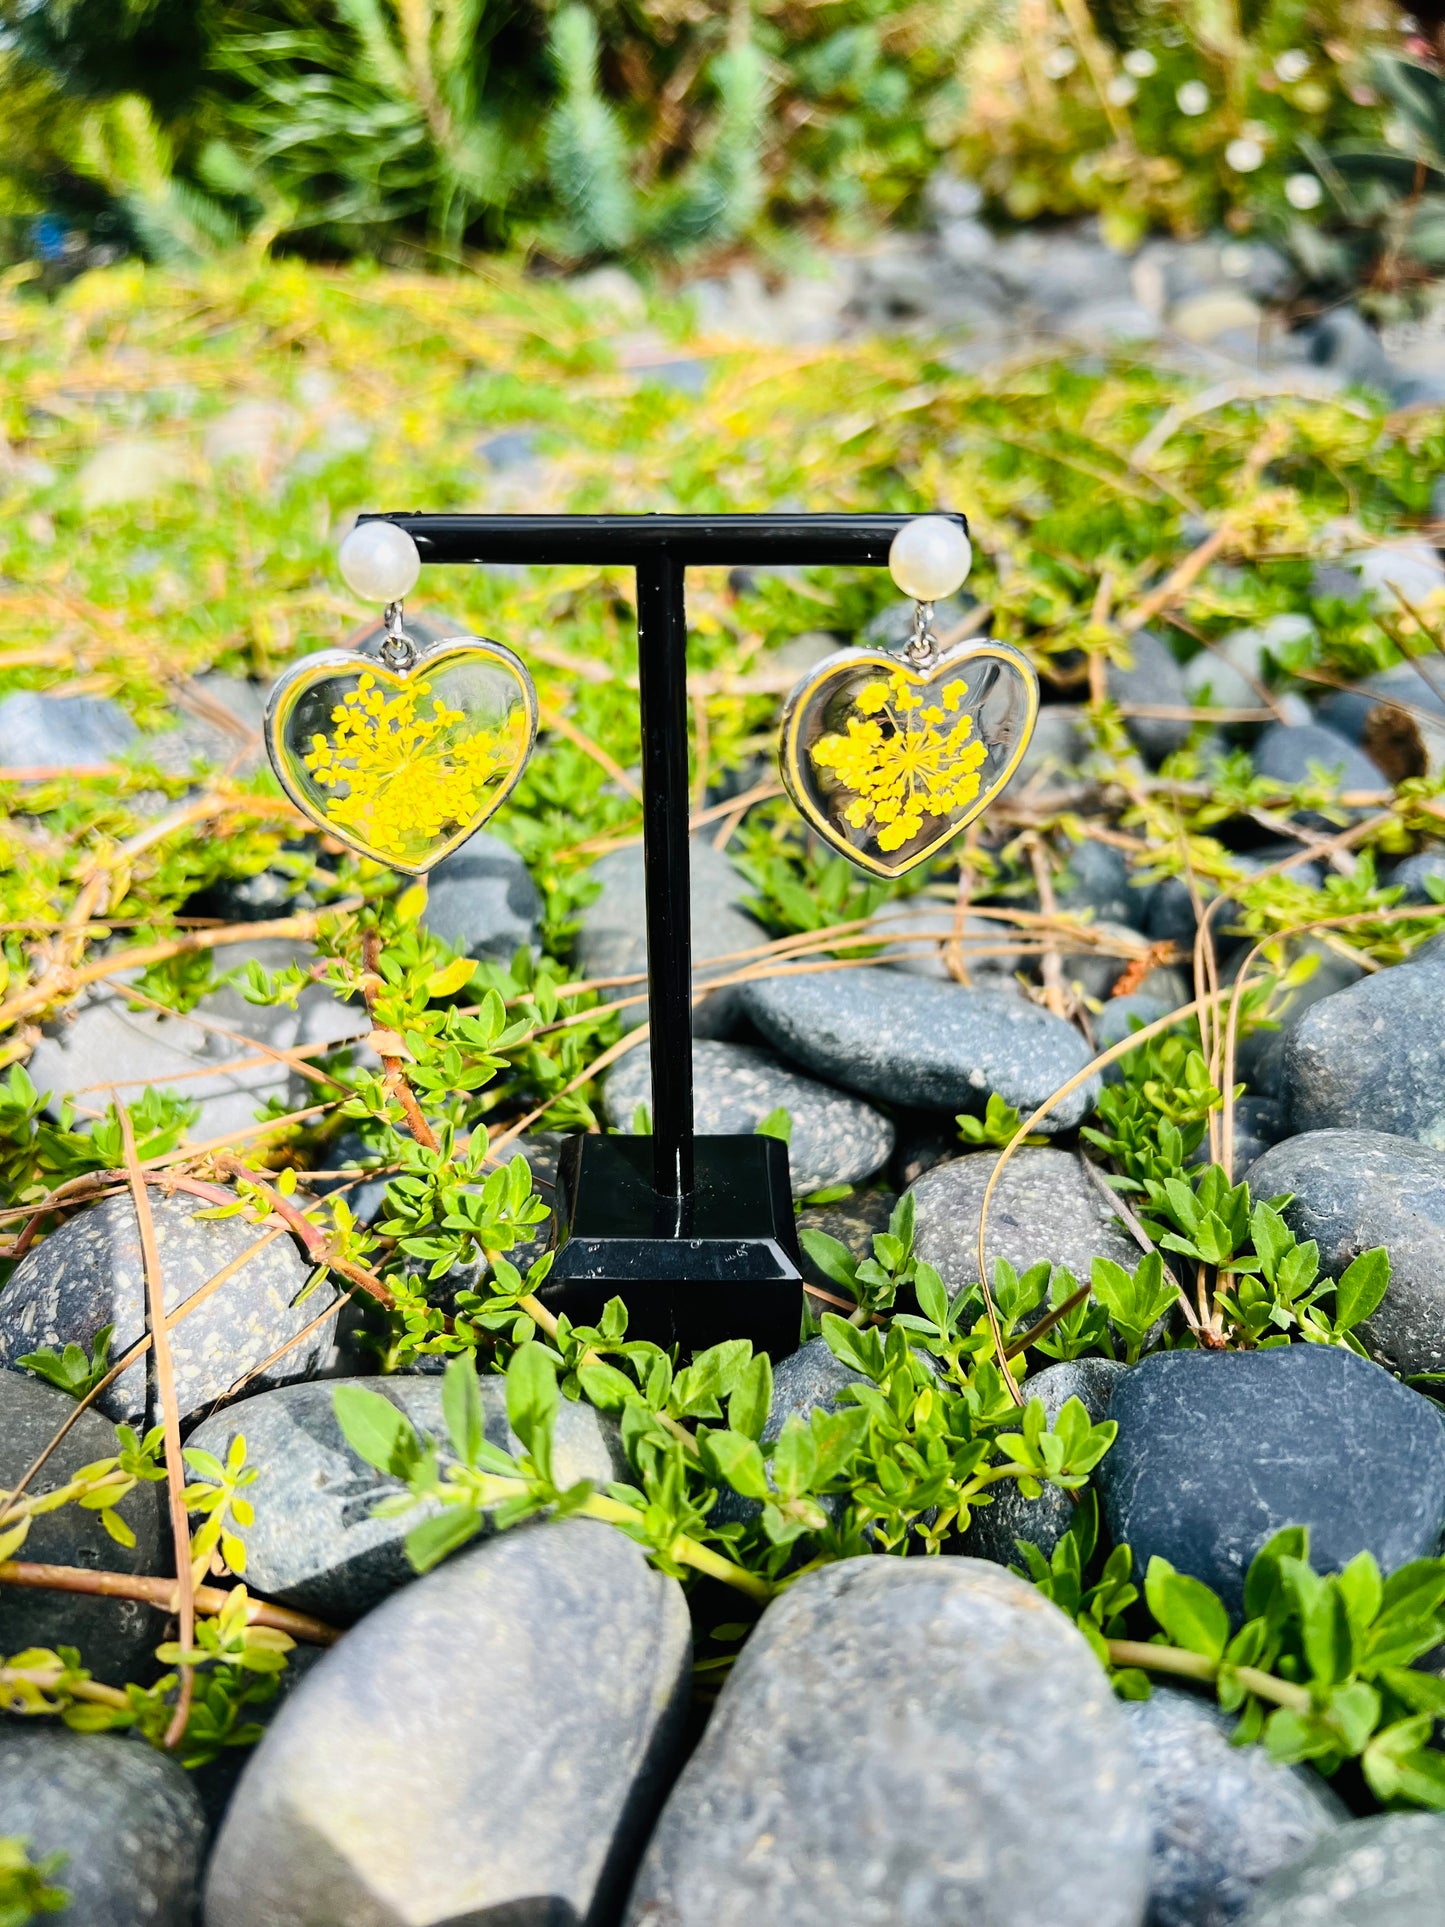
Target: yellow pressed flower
{"points": [[904, 767], [402, 778]]}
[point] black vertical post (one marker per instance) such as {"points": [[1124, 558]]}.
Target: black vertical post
{"points": [[662, 680]]}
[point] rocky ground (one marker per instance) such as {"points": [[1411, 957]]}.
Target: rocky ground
{"points": [[1213, 305], [513, 1738]]}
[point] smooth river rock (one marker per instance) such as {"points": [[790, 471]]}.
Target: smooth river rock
{"points": [[1296, 752], [43, 731], [911, 1742], [612, 941], [1372, 1057], [994, 1530], [1225, 1817], [89, 1273], [1384, 1872], [915, 931], [1216, 1452], [936, 1046], [316, 1544], [482, 901], [125, 1816], [489, 1746], [1046, 1206], [1353, 1190], [1153, 680], [837, 1138], [103, 1046], [117, 1638]]}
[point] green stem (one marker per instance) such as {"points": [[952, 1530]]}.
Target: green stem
{"points": [[686, 1551], [490, 1489], [997, 1472], [1174, 1659], [50, 1680], [12, 1508]]}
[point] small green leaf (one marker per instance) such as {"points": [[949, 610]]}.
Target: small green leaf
{"points": [[374, 1429], [1192, 1615], [117, 1527], [604, 1386], [932, 1296], [1328, 1637], [832, 1257], [853, 1345], [778, 1124], [462, 1408], [1361, 1287], [428, 1543], [751, 1397], [532, 1397], [736, 1460]]}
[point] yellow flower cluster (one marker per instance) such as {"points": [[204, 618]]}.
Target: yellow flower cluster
{"points": [[401, 780], [903, 759]]}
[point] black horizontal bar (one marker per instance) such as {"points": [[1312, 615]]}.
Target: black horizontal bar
{"points": [[626, 540]]}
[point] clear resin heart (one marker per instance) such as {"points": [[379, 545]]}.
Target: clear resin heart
{"points": [[403, 763], [888, 761]]}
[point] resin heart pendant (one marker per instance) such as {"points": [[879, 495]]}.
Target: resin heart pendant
{"points": [[888, 760], [402, 756]]}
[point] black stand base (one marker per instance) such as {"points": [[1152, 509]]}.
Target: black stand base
{"points": [[693, 1271]]}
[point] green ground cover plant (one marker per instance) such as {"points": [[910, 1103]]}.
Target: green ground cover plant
{"points": [[1103, 497]]}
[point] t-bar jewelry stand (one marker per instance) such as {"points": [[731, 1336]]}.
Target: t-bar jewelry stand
{"points": [[696, 1234]]}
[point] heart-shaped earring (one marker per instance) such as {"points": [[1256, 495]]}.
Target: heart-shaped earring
{"points": [[404, 754], [889, 756]]}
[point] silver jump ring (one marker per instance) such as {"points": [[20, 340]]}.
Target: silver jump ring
{"points": [[398, 651], [922, 647]]}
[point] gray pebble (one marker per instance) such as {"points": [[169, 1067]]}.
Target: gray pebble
{"points": [[117, 1638], [896, 1742], [1415, 873], [316, 1544], [908, 1041], [101, 1045], [89, 1273], [1154, 679], [40, 731], [1225, 1817], [1046, 1206], [612, 941], [1353, 1190], [1218, 1451], [1260, 1058], [482, 901], [125, 1816], [1096, 878], [915, 931], [1372, 1058], [837, 1139], [1384, 1872], [491, 1743]]}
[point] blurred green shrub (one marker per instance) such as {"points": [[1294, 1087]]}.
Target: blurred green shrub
{"points": [[1388, 234], [386, 126], [1180, 115], [581, 129]]}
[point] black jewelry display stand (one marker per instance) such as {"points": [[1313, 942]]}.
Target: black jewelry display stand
{"points": [[697, 1234]]}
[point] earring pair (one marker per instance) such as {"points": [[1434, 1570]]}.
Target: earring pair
{"points": [[404, 754]]}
